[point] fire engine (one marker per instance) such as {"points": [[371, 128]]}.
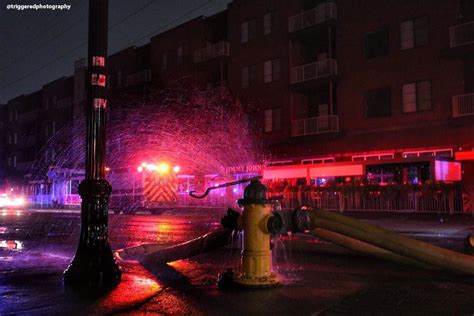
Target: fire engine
{"points": [[151, 187], [154, 187]]}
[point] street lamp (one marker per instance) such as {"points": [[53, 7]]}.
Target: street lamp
{"points": [[94, 264]]}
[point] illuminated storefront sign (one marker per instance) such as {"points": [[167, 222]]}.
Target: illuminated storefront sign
{"points": [[245, 169]]}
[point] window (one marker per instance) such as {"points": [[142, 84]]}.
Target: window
{"points": [[13, 115], [179, 59], [119, 78], [245, 77], [164, 61], [271, 70], [270, 22], [416, 96], [244, 32], [13, 138], [446, 153], [248, 30], [376, 43], [414, 33], [268, 120], [273, 120], [249, 76], [378, 102], [277, 119], [267, 23]]}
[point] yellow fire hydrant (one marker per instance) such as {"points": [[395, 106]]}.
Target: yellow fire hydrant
{"points": [[256, 255]]}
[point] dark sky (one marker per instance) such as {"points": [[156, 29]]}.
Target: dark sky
{"points": [[37, 47]]}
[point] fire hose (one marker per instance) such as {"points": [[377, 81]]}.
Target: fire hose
{"points": [[373, 240]]}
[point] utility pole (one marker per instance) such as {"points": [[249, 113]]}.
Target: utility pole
{"points": [[94, 264]]}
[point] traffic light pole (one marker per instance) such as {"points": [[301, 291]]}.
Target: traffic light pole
{"points": [[94, 264]]}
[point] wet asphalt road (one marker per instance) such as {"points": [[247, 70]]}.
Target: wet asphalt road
{"points": [[313, 283], [59, 231]]}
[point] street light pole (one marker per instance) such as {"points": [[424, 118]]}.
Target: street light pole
{"points": [[94, 264]]}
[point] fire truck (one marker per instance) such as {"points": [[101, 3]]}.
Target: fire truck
{"points": [[151, 187], [154, 187]]}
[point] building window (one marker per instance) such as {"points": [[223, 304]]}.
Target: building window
{"points": [[249, 76], [268, 120], [273, 120], [13, 138], [244, 32], [119, 78], [164, 61], [245, 77], [378, 102], [416, 96], [376, 43], [271, 70], [270, 22], [248, 30], [179, 59], [414, 33]]}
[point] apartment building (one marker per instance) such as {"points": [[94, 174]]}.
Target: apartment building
{"points": [[367, 83], [195, 52], [376, 89], [29, 121]]}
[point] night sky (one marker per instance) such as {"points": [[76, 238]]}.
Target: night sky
{"points": [[37, 47]]}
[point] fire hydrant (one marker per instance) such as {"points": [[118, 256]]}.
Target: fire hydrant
{"points": [[256, 255]]}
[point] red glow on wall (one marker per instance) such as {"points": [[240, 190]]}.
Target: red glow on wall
{"points": [[312, 171], [336, 171], [285, 172], [464, 155]]}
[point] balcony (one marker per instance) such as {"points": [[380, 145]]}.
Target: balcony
{"points": [[322, 13], [211, 51], [461, 34], [315, 125], [311, 71], [463, 105]]}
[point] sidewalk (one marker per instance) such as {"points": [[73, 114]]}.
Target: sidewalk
{"points": [[39, 290]]}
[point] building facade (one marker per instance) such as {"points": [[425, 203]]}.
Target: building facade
{"points": [[379, 91], [381, 85]]}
